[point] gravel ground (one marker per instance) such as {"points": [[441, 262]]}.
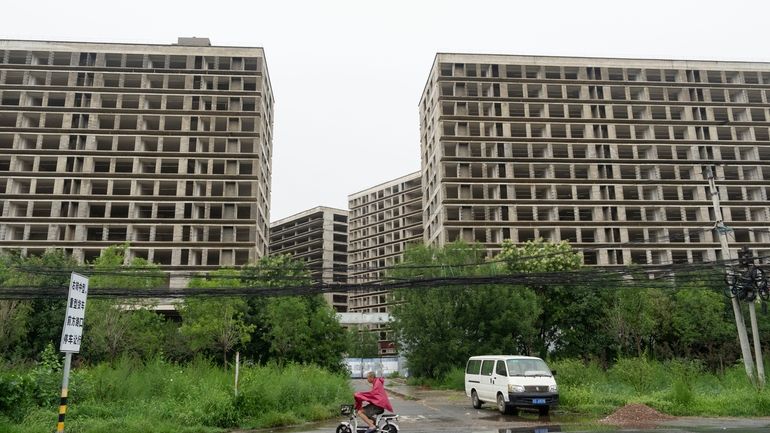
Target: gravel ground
{"points": [[636, 415]]}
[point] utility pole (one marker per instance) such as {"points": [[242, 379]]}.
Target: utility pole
{"points": [[748, 362], [757, 348], [748, 263]]}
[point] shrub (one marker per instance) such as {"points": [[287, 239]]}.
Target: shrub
{"points": [[132, 396], [681, 393], [22, 391], [269, 393], [575, 372], [640, 373], [16, 395], [454, 379]]}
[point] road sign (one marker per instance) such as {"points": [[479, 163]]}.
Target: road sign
{"points": [[72, 333]]}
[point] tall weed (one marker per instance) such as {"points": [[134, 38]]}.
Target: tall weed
{"points": [[158, 396], [452, 379], [308, 391], [575, 372], [641, 374]]}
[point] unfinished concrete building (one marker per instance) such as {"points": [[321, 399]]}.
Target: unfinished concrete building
{"points": [[609, 154], [167, 147], [384, 220], [319, 237]]}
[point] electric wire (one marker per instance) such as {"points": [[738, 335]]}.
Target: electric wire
{"points": [[710, 273], [302, 284]]}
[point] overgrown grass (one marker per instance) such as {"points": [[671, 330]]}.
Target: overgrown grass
{"points": [[681, 388], [454, 379], [161, 397]]}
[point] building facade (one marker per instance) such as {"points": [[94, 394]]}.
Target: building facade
{"points": [[384, 220], [167, 147], [612, 155], [319, 237]]}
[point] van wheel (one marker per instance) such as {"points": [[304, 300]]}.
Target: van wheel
{"points": [[475, 400], [501, 406]]}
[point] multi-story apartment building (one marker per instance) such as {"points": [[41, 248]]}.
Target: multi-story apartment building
{"points": [[384, 220], [319, 237], [609, 154], [167, 147]]}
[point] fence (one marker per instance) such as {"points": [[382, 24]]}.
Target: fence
{"points": [[384, 366]]}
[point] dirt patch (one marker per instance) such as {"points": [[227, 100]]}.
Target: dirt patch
{"points": [[638, 415]]}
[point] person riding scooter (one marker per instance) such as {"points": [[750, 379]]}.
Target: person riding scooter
{"points": [[377, 399]]}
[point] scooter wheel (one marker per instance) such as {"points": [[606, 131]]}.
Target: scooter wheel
{"points": [[390, 428], [342, 428]]}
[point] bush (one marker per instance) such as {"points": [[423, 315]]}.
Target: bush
{"points": [[681, 394], [312, 393], [214, 408], [40, 387], [640, 373], [16, 394], [575, 372], [159, 396], [452, 379]]}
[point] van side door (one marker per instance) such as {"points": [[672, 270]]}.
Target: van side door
{"points": [[486, 391], [500, 379]]}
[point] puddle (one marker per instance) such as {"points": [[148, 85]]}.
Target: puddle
{"points": [[533, 417], [538, 429], [329, 426], [606, 429]]}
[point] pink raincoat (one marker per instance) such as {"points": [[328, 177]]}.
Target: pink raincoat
{"points": [[376, 396]]}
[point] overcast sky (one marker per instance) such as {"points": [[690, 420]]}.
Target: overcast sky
{"points": [[347, 75]]}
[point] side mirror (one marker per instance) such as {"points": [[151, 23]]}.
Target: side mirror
{"points": [[553, 373]]}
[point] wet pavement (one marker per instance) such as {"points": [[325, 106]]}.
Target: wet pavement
{"points": [[426, 411]]}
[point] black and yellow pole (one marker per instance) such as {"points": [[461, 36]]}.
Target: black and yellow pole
{"points": [[64, 384]]}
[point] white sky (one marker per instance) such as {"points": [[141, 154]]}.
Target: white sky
{"points": [[347, 75]]}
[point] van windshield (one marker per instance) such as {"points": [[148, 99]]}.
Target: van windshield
{"points": [[527, 367]]}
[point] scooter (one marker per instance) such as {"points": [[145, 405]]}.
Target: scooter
{"points": [[385, 422]]}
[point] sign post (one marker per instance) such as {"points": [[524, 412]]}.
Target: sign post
{"points": [[71, 335]]}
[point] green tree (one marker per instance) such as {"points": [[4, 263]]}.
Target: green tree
{"points": [[276, 271], [574, 322], [571, 313], [14, 315], [638, 319], [298, 329], [302, 329], [37, 322], [440, 326], [280, 271], [700, 327], [539, 256], [122, 326], [216, 323], [291, 329], [362, 343], [110, 270]]}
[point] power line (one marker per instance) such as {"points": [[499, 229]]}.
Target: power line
{"points": [[139, 271], [143, 271], [620, 276], [132, 272]]}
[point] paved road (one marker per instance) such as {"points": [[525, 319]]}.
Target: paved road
{"points": [[422, 411]]}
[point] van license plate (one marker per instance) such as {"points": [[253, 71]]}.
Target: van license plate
{"points": [[538, 401]]}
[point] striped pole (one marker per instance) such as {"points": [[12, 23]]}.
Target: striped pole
{"points": [[64, 384]]}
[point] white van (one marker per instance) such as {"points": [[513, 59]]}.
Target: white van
{"points": [[511, 382]]}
